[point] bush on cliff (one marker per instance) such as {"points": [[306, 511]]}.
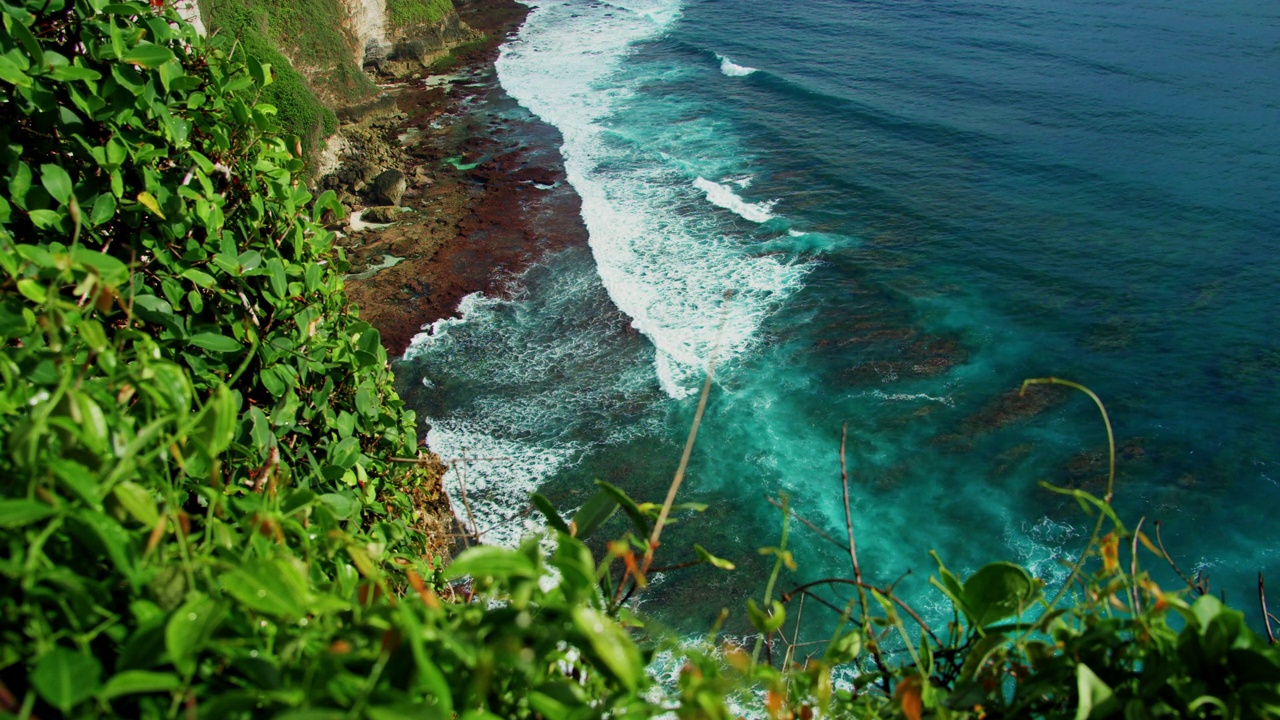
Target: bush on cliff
{"points": [[405, 13], [202, 517]]}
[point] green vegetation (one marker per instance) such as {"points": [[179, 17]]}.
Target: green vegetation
{"points": [[211, 506], [404, 13], [311, 34]]}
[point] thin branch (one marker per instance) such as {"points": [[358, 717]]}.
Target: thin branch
{"points": [[822, 533], [786, 597], [1133, 568], [688, 445], [853, 553], [1160, 541], [1266, 615]]}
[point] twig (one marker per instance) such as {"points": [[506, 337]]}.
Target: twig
{"points": [[688, 446], [1111, 475], [853, 554], [462, 485], [1160, 541], [1133, 567], [1266, 615], [822, 533], [786, 597]]}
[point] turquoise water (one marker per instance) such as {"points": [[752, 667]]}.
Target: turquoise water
{"points": [[888, 214]]}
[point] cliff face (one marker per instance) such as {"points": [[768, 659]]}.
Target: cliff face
{"points": [[333, 43], [367, 22]]}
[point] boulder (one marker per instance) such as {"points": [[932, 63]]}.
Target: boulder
{"points": [[389, 187]]}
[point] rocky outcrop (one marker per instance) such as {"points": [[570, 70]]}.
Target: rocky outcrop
{"points": [[389, 187]]}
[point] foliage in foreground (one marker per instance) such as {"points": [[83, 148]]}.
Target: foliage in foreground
{"points": [[201, 516]]}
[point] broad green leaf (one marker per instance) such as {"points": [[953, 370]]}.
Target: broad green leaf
{"points": [[32, 290], [275, 273], [997, 591], [111, 270], [57, 182], [593, 513], [11, 73], [149, 201], [147, 55], [189, 630], [416, 711], [138, 502], [342, 506], [64, 677], [485, 561], [273, 587], [103, 210], [19, 513], [215, 342], [1096, 699], [136, 682], [616, 650]]}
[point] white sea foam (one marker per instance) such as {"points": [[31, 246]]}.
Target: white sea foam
{"points": [[723, 196], [665, 263], [796, 233], [732, 69], [490, 479]]}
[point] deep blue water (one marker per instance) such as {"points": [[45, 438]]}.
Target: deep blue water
{"points": [[915, 205]]}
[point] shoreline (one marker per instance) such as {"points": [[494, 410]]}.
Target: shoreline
{"points": [[486, 189]]}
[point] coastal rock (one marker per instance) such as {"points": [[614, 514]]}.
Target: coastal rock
{"points": [[389, 187], [383, 214]]}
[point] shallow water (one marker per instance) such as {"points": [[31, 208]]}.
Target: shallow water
{"points": [[888, 214]]}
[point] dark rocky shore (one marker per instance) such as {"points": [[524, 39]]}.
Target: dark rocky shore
{"points": [[465, 188]]}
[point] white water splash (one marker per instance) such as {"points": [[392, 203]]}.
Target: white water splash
{"points": [[723, 196], [732, 69]]}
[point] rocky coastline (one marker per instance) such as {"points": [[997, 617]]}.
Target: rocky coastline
{"points": [[451, 187]]}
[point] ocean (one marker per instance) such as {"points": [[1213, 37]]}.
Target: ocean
{"points": [[887, 214]]}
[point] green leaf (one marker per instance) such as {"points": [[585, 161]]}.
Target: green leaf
{"points": [[712, 560], [138, 502], [215, 342], [416, 711], [1096, 698], [57, 182], [341, 505], [766, 622], [549, 511], [997, 591], [490, 561], [189, 630], [32, 291], [275, 273], [628, 506], [203, 279], [149, 201], [19, 513], [20, 183], [29, 42], [273, 587], [11, 73], [612, 645], [104, 208], [45, 219], [593, 513], [137, 682], [148, 55], [64, 677], [68, 73]]}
